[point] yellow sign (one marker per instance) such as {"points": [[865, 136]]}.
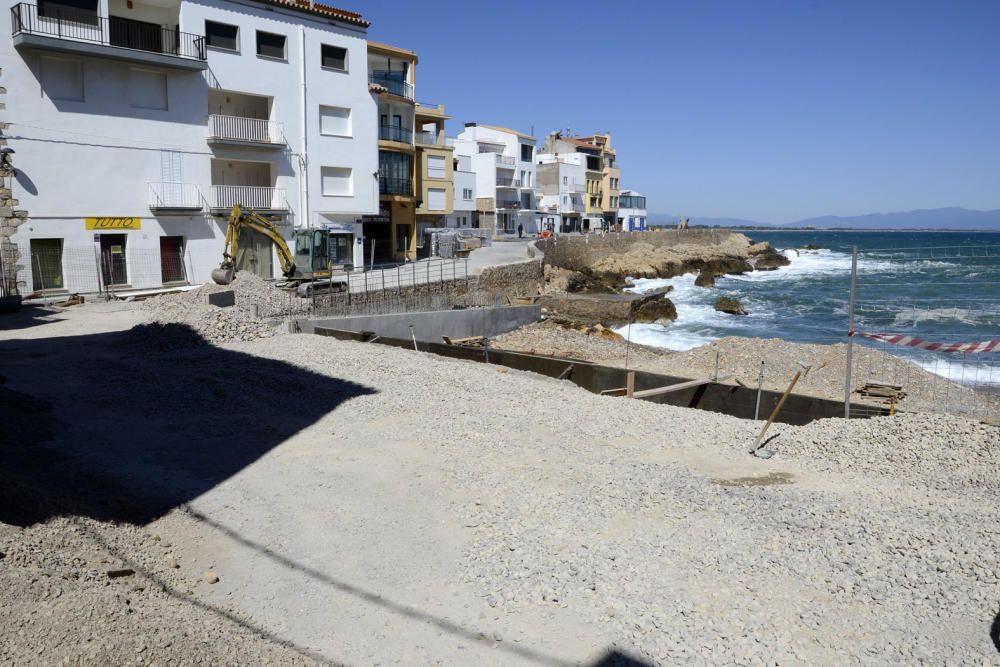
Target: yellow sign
{"points": [[113, 223]]}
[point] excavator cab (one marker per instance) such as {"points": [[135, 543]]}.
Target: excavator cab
{"points": [[312, 252]]}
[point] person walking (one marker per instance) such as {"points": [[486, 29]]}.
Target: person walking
{"points": [[520, 230]]}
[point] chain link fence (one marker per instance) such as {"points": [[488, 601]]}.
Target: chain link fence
{"points": [[925, 331]]}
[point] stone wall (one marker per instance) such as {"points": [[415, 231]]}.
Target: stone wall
{"points": [[521, 279], [11, 217]]}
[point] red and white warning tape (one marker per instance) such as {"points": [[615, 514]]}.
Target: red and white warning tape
{"points": [[910, 341]]}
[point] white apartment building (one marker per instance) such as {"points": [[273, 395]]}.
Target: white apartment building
{"points": [[562, 187], [632, 214], [138, 124], [464, 209], [504, 163]]}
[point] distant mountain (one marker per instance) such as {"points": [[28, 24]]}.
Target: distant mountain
{"points": [[934, 218]]}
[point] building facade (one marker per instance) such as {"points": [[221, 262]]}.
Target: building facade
{"points": [[503, 161], [562, 187], [138, 125], [464, 209], [601, 178], [435, 172], [632, 216]]}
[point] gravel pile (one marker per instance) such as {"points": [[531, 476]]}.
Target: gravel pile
{"points": [[258, 302], [597, 346]]}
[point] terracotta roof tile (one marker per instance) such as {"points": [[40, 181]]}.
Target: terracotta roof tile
{"points": [[322, 10]]}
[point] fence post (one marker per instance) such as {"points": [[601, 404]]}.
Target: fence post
{"points": [[850, 332]]}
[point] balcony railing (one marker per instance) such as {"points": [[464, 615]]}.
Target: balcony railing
{"points": [[508, 182], [245, 130], [395, 186], [508, 203], [505, 160], [175, 196], [631, 202], [401, 88], [574, 187], [249, 196], [83, 26], [432, 139], [403, 135]]}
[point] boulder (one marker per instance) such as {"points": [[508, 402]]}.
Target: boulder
{"points": [[655, 309], [768, 259], [609, 309], [731, 306], [705, 279]]}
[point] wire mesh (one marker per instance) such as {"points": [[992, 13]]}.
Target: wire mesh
{"points": [[927, 331]]}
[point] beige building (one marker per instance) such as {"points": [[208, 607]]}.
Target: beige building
{"points": [[602, 179], [435, 186]]}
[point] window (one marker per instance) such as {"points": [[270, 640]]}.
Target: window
{"points": [[467, 194], [62, 79], [334, 57], [336, 181], [435, 199], [222, 36], [527, 152], [435, 166], [334, 121], [78, 11], [46, 264], [271, 45], [565, 180], [147, 89]]}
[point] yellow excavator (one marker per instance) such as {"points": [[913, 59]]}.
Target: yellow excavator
{"points": [[310, 268]]}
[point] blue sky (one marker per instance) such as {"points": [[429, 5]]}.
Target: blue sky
{"points": [[763, 109]]}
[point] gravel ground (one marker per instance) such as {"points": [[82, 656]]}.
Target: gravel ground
{"points": [[925, 391], [456, 513]]}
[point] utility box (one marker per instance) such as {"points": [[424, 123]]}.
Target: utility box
{"points": [[223, 299]]}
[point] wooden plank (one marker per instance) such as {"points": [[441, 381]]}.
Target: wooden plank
{"points": [[679, 386], [566, 373], [447, 340], [630, 385], [620, 391]]}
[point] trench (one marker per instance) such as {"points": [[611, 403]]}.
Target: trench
{"points": [[726, 399]]}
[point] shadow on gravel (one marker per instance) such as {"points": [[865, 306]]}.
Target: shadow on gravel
{"points": [[618, 659], [126, 426], [995, 632], [30, 315]]}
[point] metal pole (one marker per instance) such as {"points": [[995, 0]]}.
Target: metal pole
{"points": [[41, 278], [628, 340], [850, 332], [760, 386], [414, 337]]}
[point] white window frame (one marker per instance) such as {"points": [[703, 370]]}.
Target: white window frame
{"points": [[323, 175], [349, 121]]}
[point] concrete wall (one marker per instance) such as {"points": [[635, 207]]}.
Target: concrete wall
{"points": [[430, 326]]}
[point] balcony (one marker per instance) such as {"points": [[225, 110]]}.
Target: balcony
{"points": [[257, 198], [506, 161], [179, 197], [403, 135], [237, 130], [88, 34], [508, 182], [395, 186], [508, 203], [574, 188], [395, 87], [432, 139]]}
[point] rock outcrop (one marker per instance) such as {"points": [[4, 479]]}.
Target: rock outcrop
{"points": [[609, 309], [731, 306], [705, 279]]}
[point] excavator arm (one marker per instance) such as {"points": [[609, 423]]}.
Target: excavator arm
{"points": [[238, 219]]}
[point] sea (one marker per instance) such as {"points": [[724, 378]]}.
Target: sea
{"points": [[934, 286]]}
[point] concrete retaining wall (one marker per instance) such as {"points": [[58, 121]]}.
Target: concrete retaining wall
{"points": [[430, 326], [727, 399]]}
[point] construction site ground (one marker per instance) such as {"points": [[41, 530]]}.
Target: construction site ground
{"points": [[296, 499]]}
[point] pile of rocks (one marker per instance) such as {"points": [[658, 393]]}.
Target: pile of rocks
{"points": [[257, 303]]}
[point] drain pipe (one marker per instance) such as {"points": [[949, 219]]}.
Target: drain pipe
{"points": [[303, 160]]}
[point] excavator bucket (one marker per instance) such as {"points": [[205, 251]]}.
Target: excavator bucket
{"points": [[222, 276]]}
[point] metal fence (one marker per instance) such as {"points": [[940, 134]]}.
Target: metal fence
{"points": [[49, 269], [924, 331]]}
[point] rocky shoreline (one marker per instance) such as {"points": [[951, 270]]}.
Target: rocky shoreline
{"points": [[586, 279]]}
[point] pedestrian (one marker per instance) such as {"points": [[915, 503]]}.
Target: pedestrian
{"points": [[520, 230]]}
